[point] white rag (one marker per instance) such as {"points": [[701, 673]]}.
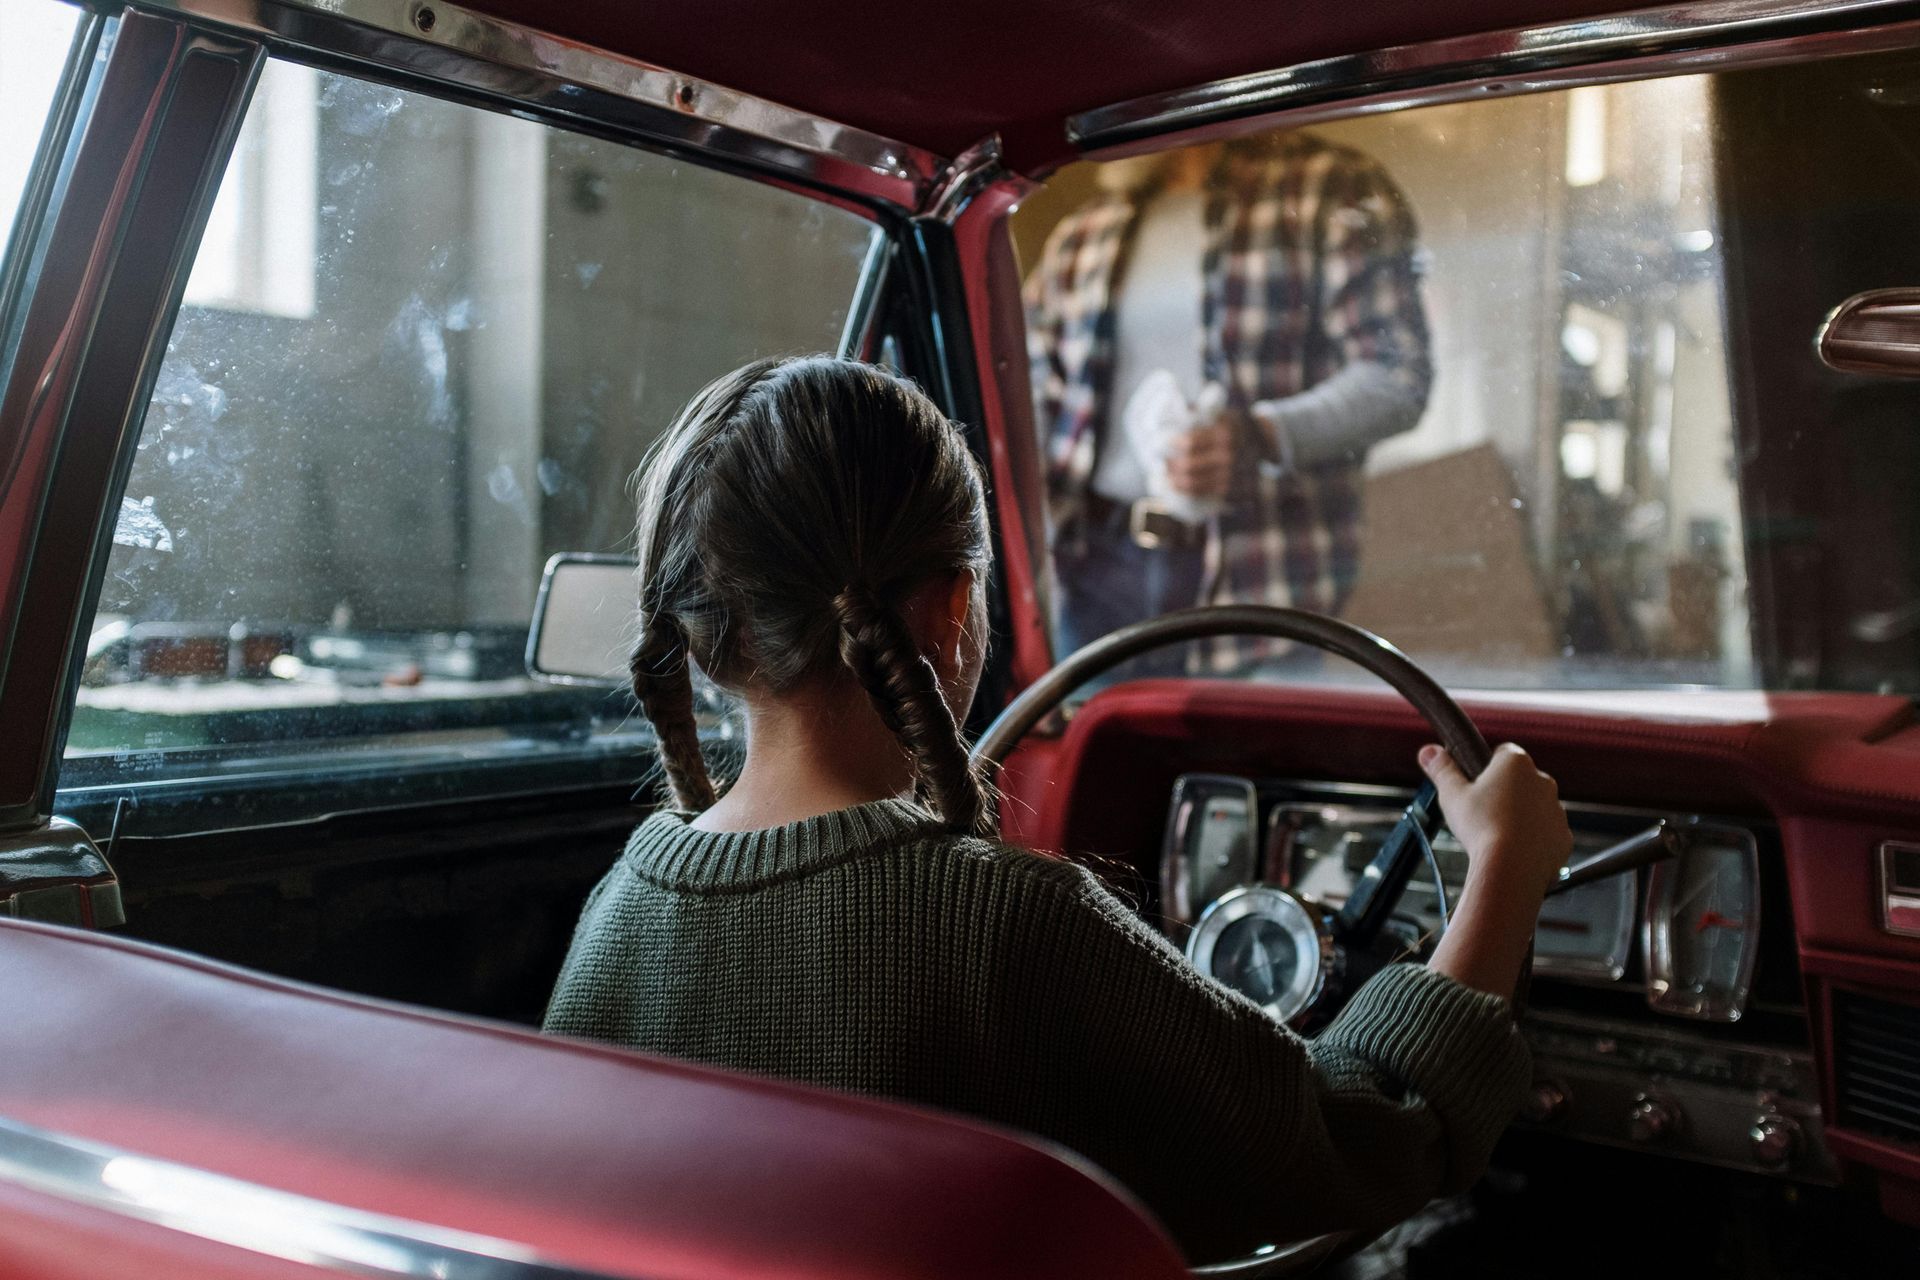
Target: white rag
{"points": [[1156, 415]]}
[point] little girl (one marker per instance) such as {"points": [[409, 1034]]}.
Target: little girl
{"points": [[813, 534]]}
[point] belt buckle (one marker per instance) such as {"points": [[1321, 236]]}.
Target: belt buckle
{"points": [[1147, 523]]}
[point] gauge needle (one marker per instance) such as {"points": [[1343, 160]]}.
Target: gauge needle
{"points": [[1714, 920], [1680, 910], [1262, 967]]}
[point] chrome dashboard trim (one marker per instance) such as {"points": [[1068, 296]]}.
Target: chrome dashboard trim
{"points": [[263, 1220], [1305, 924], [1656, 931], [515, 65], [1190, 792], [1309, 792], [1382, 812], [1672, 39], [1899, 895]]}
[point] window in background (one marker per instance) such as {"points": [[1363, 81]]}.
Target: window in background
{"points": [[445, 339], [257, 253], [35, 36]]}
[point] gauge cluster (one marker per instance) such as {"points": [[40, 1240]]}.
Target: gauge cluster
{"points": [[1687, 932]]}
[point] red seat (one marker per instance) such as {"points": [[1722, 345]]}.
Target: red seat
{"points": [[591, 1157]]}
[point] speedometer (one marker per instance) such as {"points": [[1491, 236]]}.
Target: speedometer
{"points": [[1268, 945], [1703, 927]]}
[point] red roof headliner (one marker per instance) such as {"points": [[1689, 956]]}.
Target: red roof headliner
{"points": [[943, 75]]}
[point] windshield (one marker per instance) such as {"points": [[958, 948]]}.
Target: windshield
{"points": [[1526, 385]]}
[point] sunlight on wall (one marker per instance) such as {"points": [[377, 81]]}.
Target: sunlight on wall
{"points": [[34, 37]]}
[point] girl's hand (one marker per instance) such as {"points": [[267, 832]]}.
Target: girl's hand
{"points": [[1509, 818], [1517, 839]]}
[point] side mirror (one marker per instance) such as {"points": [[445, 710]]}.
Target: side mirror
{"points": [[583, 620], [1873, 332]]}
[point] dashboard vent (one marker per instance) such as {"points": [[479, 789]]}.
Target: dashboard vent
{"points": [[1877, 1049]]}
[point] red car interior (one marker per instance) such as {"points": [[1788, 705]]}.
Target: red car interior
{"points": [[946, 76], [598, 1159], [1835, 771], [620, 1164]]}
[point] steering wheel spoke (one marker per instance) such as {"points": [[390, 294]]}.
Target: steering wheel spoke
{"points": [[1373, 898]]}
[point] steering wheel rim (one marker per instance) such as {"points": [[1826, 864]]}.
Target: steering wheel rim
{"points": [[1363, 648], [1458, 733]]}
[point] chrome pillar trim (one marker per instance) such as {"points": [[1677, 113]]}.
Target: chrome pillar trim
{"points": [[972, 171], [1701, 36], [139, 183], [856, 335], [518, 65], [260, 1219]]}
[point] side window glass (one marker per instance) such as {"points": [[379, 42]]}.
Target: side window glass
{"points": [[35, 36], [423, 348]]}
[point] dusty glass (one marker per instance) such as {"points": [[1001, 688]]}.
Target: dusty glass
{"points": [[1526, 385], [423, 349]]}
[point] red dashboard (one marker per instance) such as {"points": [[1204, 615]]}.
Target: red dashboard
{"points": [[1839, 774]]}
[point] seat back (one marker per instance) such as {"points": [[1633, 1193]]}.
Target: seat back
{"points": [[580, 1155]]}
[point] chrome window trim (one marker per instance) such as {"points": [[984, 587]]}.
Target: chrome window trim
{"points": [[43, 176], [972, 171], [264, 1220], [87, 329], [1705, 36], [513, 65]]}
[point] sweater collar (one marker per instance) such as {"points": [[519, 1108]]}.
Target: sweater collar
{"points": [[668, 850]]}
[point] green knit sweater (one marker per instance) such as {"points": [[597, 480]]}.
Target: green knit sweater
{"points": [[867, 950]]}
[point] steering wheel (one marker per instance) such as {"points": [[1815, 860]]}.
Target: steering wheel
{"points": [[1333, 948]]}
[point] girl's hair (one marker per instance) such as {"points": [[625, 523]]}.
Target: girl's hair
{"points": [[784, 516]]}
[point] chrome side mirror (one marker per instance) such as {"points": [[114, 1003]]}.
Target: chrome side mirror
{"points": [[1873, 332], [583, 620]]}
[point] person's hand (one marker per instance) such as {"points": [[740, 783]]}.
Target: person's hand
{"points": [[1509, 818], [1200, 460], [1516, 837]]}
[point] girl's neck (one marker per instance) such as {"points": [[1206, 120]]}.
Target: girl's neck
{"points": [[809, 752]]}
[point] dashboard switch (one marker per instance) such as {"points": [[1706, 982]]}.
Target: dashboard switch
{"points": [[1775, 1139], [1652, 1119]]}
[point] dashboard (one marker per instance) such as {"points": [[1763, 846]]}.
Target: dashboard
{"points": [[1665, 1012]]}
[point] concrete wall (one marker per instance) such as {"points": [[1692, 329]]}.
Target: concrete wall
{"points": [[505, 316]]}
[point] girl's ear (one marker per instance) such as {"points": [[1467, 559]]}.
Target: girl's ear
{"points": [[937, 614], [959, 609]]}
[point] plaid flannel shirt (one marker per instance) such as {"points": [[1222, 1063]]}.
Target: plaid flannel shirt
{"points": [[1307, 265]]}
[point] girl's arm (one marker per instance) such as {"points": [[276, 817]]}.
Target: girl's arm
{"points": [[1233, 1129], [1239, 1132]]}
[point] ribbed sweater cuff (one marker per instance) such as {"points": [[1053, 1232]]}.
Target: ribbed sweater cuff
{"points": [[1456, 1047]]}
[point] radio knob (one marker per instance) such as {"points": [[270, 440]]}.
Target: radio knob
{"points": [[1652, 1119], [1774, 1140], [1547, 1103]]}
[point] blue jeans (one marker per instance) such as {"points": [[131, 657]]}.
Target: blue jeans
{"points": [[1106, 580]]}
